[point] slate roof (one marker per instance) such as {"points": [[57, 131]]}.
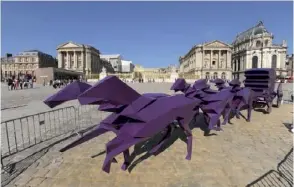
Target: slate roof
{"points": [[257, 29]]}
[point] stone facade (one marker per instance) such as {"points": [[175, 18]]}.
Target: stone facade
{"points": [[26, 62], [254, 48], [79, 57], [114, 60], [289, 65], [127, 66], [210, 60]]}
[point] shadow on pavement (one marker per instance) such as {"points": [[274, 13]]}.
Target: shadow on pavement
{"points": [[146, 146], [288, 126], [283, 177]]}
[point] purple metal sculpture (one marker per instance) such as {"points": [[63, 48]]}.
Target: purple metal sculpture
{"points": [[135, 117], [219, 83], [213, 103], [242, 100], [262, 82]]}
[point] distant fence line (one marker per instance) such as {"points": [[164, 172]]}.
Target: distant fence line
{"points": [[22, 133]]}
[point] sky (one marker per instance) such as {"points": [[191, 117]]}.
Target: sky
{"points": [[152, 34]]}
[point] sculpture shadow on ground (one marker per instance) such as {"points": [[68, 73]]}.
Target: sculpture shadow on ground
{"points": [[146, 146], [283, 177], [200, 123], [288, 126]]}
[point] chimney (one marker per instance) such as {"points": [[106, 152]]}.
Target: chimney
{"points": [[8, 55]]}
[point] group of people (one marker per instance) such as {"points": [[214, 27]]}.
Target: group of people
{"points": [[60, 83], [17, 83]]}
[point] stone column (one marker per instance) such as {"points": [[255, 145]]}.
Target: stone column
{"points": [[210, 65], [68, 60], [88, 62], [83, 61], [60, 60], [75, 60], [240, 63], [228, 59], [219, 57]]}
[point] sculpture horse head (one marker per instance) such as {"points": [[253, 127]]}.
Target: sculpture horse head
{"points": [[109, 90], [180, 85], [219, 83]]}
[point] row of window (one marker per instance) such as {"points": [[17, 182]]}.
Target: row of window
{"points": [[254, 64], [215, 53], [10, 73], [215, 75], [23, 59], [20, 66], [258, 44]]}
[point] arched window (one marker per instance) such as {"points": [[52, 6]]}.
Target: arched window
{"points": [[274, 61], [239, 64], [207, 75], [254, 62], [215, 75], [223, 75], [265, 43], [258, 43]]}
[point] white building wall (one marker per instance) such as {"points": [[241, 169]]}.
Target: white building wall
{"points": [[126, 66]]}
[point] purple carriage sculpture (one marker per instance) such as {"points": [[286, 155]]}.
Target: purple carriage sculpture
{"points": [[135, 117], [262, 82]]}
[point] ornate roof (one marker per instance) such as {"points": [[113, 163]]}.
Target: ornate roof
{"points": [[72, 44], [257, 29]]}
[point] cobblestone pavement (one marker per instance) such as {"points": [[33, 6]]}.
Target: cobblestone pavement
{"points": [[232, 158]]}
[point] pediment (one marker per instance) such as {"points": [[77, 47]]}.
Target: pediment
{"points": [[69, 45], [216, 44]]}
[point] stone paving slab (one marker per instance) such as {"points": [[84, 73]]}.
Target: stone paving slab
{"points": [[233, 158]]}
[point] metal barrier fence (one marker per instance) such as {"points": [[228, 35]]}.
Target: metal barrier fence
{"points": [[22, 133]]}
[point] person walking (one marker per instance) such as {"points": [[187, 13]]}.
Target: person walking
{"points": [[21, 83]]}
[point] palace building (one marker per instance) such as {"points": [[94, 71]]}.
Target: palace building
{"points": [[254, 48], [81, 58], [25, 63], [209, 60]]}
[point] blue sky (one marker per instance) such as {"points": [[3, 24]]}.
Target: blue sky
{"points": [[153, 34]]}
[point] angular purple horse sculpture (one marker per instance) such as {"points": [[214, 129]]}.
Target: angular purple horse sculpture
{"points": [[242, 99], [135, 117], [213, 103]]}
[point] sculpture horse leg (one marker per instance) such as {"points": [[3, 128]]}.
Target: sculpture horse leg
{"points": [[214, 120], [226, 115], [206, 120], [117, 145], [167, 134], [127, 161], [184, 124], [227, 112]]}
